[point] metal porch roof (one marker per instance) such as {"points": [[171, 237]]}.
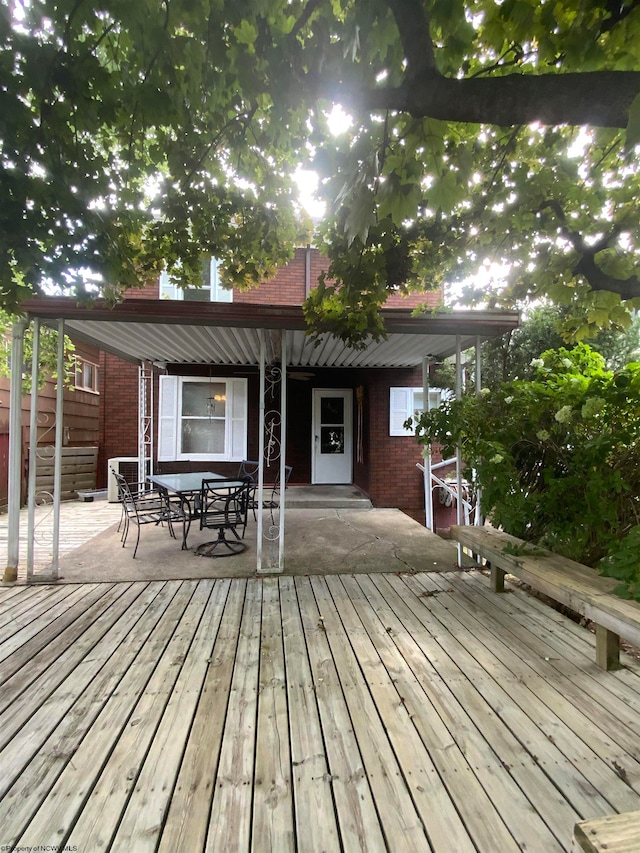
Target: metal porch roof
{"points": [[170, 332]]}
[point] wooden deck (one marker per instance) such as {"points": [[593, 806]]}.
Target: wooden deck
{"points": [[371, 712]]}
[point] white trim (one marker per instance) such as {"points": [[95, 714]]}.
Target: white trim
{"points": [[332, 467], [217, 293], [170, 419], [402, 406]]}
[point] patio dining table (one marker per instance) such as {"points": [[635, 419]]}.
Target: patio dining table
{"points": [[186, 487]]}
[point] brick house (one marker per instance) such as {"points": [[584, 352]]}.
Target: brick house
{"points": [[345, 410], [203, 379]]}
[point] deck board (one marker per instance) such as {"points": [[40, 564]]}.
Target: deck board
{"points": [[569, 741], [340, 713]]}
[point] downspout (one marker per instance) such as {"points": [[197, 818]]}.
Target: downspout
{"points": [[15, 451], [307, 270]]}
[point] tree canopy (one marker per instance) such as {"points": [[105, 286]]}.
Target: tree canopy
{"points": [[134, 134]]}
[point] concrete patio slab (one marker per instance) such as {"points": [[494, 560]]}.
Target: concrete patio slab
{"points": [[317, 541]]}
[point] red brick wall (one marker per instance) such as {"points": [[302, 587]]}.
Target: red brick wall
{"points": [[387, 472], [394, 480], [151, 291], [118, 428], [289, 286], [388, 475]]}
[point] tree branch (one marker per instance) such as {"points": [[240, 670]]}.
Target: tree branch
{"points": [[412, 21], [618, 12], [307, 12], [597, 98], [626, 288]]}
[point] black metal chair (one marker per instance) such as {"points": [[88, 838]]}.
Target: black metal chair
{"points": [[271, 491], [274, 500], [224, 505], [141, 505]]}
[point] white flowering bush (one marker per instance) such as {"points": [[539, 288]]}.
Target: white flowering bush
{"points": [[557, 458]]}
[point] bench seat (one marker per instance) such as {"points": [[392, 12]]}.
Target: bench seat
{"points": [[619, 833], [578, 587]]}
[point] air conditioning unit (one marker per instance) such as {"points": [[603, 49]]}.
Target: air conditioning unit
{"points": [[125, 465]]}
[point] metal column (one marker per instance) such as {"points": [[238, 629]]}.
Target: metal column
{"points": [[145, 421], [57, 467], [33, 450], [477, 520], [459, 513], [283, 448], [261, 392], [428, 494], [15, 451]]}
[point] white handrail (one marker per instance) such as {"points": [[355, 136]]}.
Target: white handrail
{"points": [[437, 482]]}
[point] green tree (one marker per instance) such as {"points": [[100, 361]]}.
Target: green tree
{"points": [[134, 134], [47, 354], [510, 356]]}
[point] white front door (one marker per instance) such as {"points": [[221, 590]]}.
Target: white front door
{"points": [[332, 453]]}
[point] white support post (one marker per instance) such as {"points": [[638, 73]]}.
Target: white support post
{"points": [[283, 447], [33, 451], [15, 451], [477, 519], [145, 421], [459, 514], [57, 470], [261, 392], [428, 492]]}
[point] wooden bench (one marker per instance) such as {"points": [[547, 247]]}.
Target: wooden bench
{"points": [[619, 833], [578, 587]]}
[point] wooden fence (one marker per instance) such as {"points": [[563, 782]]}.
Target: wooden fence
{"points": [[79, 470]]}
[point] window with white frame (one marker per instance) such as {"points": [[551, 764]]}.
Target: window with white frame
{"points": [[202, 419], [86, 378], [210, 291], [407, 403]]}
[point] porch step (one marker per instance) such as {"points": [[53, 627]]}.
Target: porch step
{"points": [[331, 497]]}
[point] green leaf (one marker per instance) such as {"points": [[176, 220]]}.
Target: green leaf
{"points": [[246, 33]]}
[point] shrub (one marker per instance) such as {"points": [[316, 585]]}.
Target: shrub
{"points": [[557, 458]]}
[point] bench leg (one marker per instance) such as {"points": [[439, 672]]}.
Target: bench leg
{"points": [[607, 648], [497, 578]]}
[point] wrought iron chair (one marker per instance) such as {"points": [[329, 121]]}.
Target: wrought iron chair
{"points": [[141, 506], [224, 505], [271, 496]]}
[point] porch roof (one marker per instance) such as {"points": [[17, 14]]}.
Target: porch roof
{"points": [[155, 330]]}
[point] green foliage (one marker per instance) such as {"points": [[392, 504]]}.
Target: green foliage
{"points": [[134, 134], [510, 357], [48, 354], [554, 205], [622, 563], [558, 457], [143, 133]]}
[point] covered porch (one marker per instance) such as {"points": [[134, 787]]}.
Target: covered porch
{"points": [[389, 712], [154, 334]]}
